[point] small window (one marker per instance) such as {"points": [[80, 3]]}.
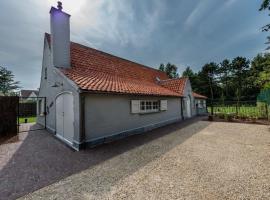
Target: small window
{"points": [[149, 106]]}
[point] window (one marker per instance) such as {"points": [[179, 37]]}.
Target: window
{"points": [[201, 103], [148, 106]]}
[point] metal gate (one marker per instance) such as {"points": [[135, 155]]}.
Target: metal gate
{"points": [[31, 114]]}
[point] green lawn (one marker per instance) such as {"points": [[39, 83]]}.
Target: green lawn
{"points": [[29, 119]]}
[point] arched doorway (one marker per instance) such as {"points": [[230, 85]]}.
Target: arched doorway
{"points": [[65, 117], [188, 102]]}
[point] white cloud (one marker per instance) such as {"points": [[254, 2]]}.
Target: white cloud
{"points": [[229, 2], [197, 13], [116, 22]]}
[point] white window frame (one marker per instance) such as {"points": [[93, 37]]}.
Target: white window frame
{"points": [[204, 103], [148, 106]]}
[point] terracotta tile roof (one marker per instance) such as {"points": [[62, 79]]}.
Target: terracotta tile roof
{"points": [[198, 96], [177, 85], [97, 71]]}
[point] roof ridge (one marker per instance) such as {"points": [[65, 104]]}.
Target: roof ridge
{"points": [[172, 79]]}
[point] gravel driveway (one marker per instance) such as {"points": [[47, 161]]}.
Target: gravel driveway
{"points": [[190, 160]]}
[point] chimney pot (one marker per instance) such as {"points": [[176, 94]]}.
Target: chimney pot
{"points": [[59, 5]]}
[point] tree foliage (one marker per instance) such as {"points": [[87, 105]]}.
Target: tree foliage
{"points": [[266, 6], [7, 83], [261, 67], [170, 69], [238, 79]]}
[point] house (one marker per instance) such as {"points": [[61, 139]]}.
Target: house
{"points": [[29, 95], [93, 97]]}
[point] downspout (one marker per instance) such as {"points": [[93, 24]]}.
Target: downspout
{"points": [[82, 119]]}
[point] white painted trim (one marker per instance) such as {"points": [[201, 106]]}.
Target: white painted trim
{"points": [[51, 129], [63, 92], [66, 142], [76, 142]]}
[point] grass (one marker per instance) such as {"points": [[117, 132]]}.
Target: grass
{"points": [[243, 111], [29, 119]]}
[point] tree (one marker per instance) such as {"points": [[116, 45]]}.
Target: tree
{"points": [[193, 77], [162, 67], [170, 69], [266, 6], [7, 83], [208, 82], [265, 79], [240, 67], [260, 72], [188, 72], [258, 76], [224, 77]]}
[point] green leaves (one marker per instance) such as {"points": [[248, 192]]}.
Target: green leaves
{"points": [[170, 69], [7, 83], [265, 5]]}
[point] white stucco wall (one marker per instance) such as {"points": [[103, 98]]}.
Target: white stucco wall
{"points": [[54, 76], [188, 92], [106, 115]]}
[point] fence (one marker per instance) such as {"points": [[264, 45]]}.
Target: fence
{"points": [[240, 109], [28, 109], [8, 115]]}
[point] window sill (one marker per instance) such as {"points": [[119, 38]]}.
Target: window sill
{"points": [[151, 112]]}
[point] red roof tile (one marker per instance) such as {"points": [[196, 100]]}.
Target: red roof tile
{"points": [[177, 85], [96, 71], [198, 96]]}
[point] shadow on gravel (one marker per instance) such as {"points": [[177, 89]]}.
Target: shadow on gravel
{"points": [[42, 160]]}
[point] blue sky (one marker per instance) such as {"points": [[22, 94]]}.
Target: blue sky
{"points": [[183, 32]]}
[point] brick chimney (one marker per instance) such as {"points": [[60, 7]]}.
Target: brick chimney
{"points": [[60, 36]]}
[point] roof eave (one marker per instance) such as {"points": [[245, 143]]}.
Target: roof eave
{"points": [[124, 93]]}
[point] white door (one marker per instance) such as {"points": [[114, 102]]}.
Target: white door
{"points": [[65, 117], [60, 116], [188, 107]]}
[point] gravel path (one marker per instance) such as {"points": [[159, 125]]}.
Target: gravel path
{"points": [[199, 160]]}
